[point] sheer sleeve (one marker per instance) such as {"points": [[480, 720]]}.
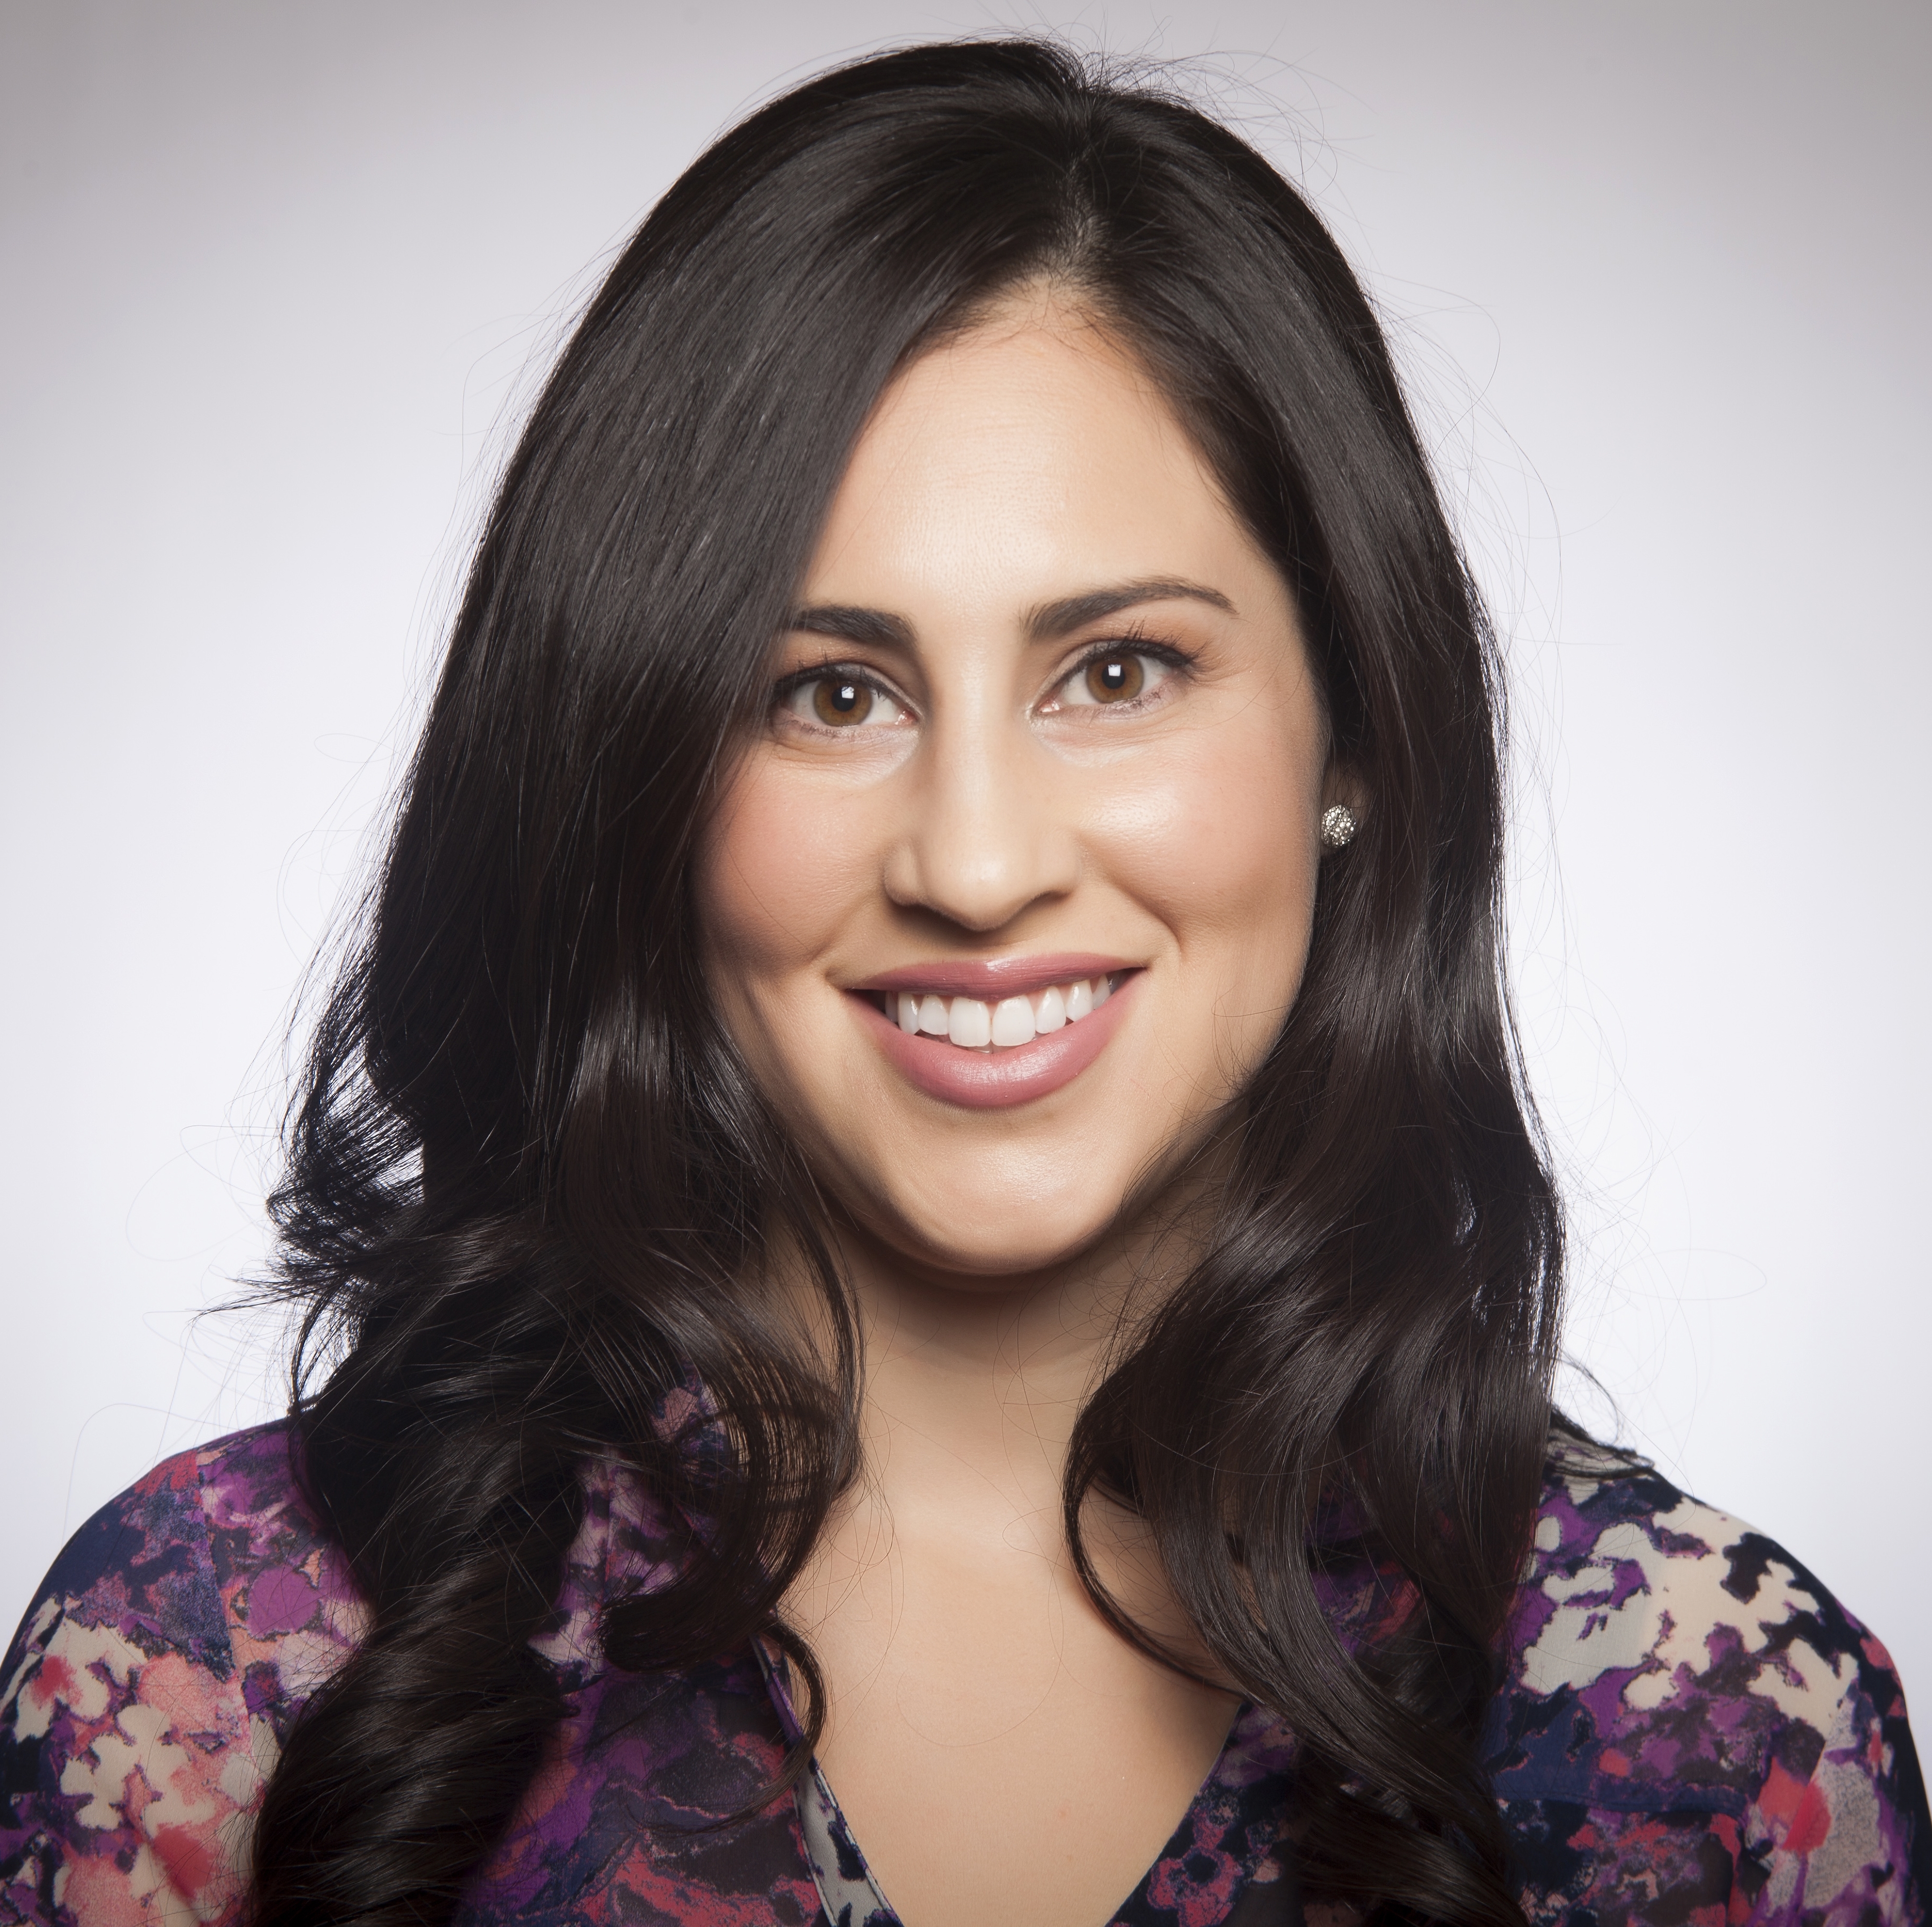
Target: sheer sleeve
{"points": [[1700, 1732], [146, 1691]]}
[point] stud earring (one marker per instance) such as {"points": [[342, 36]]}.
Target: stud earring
{"points": [[1338, 826]]}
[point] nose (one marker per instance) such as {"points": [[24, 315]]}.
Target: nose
{"points": [[987, 828]]}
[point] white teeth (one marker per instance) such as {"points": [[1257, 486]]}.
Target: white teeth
{"points": [[975, 1024], [1013, 1022], [969, 1024]]}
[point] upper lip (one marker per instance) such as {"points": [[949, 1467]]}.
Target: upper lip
{"points": [[993, 977]]}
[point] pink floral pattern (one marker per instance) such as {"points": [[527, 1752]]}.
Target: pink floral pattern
{"points": [[1693, 1732]]}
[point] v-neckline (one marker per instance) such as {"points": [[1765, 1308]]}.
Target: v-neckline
{"points": [[1256, 1752]]}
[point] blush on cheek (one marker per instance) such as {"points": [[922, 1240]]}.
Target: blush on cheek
{"points": [[1220, 845], [775, 876]]}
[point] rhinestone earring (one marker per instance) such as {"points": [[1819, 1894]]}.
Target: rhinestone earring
{"points": [[1338, 826]]}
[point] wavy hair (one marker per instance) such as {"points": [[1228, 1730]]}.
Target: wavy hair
{"points": [[531, 1185]]}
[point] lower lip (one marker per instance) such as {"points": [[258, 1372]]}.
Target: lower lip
{"points": [[977, 1080]]}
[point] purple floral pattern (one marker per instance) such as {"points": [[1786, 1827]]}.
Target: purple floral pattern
{"points": [[1693, 1732]]}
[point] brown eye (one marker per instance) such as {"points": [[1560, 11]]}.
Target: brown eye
{"points": [[1115, 678], [841, 702]]}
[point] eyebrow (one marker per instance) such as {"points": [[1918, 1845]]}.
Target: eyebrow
{"points": [[1045, 623], [1052, 621], [849, 624]]}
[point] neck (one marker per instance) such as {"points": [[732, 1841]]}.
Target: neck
{"points": [[973, 1384], [972, 1388], [978, 1384]]}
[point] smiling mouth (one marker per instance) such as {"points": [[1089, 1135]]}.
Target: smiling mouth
{"points": [[990, 1026]]}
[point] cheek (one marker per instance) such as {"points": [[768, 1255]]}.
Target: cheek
{"points": [[779, 869], [1219, 845]]}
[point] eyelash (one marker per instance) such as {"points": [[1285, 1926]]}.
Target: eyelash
{"points": [[1133, 643], [788, 686], [1178, 661]]}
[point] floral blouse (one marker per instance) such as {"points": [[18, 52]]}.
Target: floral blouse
{"points": [[1694, 1733]]}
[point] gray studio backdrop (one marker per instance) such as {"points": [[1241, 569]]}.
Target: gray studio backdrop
{"points": [[277, 277]]}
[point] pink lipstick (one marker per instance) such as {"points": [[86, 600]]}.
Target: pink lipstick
{"points": [[988, 1034]]}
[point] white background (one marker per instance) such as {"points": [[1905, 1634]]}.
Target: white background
{"points": [[273, 275]]}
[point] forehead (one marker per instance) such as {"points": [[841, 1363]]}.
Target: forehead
{"points": [[1030, 450]]}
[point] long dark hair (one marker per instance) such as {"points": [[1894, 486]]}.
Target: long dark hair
{"points": [[531, 1185]]}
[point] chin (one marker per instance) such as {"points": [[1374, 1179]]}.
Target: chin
{"points": [[1000, 1264], [989, 1272], [989, 1241]]}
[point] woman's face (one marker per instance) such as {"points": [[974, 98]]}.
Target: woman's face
{"points": [[1013, 892]]}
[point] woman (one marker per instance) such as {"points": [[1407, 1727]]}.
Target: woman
{"points": [[924, 1267]]}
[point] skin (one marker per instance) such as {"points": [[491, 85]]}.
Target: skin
{"points": [[989, 806]]}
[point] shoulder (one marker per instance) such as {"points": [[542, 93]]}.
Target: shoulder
{"points": [[1673, 1667], [143, 1699], [1633, 1579], [213, 1559]]}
